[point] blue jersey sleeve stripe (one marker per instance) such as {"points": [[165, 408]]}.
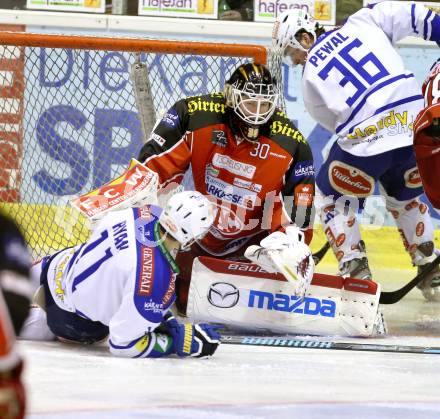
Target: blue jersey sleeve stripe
{"points": [[364, 99], [413, 18], [425, 25], [130, 345], [435, 29], [392, 105]]}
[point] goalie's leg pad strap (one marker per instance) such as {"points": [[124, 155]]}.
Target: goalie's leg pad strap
{"points": [[244, 296]]}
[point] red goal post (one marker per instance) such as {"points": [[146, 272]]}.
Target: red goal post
{"points": [[69, 120]]}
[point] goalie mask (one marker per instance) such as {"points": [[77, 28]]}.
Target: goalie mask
{"points": [[251, 92]]}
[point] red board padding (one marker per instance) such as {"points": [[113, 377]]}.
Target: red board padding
{"points": [[231, 267]]}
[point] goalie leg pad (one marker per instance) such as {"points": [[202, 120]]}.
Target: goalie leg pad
{"points": [[244, 296]]}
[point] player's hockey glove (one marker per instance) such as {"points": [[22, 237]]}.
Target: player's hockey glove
{"points": [[12, 398], [197, 340]]}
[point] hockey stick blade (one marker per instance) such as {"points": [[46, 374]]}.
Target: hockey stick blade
{"points": [[391, 297], [317, 257], [281, 342]]}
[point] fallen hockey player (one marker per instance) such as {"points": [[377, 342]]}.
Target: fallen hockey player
{"points": [[121, 283]]}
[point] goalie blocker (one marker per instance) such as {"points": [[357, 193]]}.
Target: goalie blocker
{"points": [[245, 296]]}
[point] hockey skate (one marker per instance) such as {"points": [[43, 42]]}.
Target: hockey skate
{"points": [[356, 268], [430, 286]]}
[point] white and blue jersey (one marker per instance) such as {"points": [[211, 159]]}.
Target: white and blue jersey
{"points": [[119, 277], [355, 83]]}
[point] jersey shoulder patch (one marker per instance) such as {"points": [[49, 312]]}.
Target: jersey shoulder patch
{"points": [[282, 131], [205, 110]]}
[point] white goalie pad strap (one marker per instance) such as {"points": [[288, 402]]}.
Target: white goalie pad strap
{"points": [[136, 187], [243, 295]]}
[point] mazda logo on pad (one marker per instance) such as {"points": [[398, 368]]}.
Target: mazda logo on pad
{"points": [[223, 295]]}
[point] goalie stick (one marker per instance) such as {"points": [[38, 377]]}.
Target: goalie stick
{"points": [[281, 342], [390, 297]]}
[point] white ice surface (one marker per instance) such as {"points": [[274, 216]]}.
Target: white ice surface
{"points": [[75, 382]]}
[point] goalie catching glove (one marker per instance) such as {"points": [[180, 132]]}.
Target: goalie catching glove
{"points": [[197, 340], [288, 254]]}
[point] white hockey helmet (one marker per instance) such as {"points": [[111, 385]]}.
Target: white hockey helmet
{"points": [[287, 25], [187, 217]]}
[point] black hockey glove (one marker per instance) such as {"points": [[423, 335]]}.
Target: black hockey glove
{"points": [[197, 340]]}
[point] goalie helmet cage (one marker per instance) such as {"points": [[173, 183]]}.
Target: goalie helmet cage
{"points": [[69, 121]]}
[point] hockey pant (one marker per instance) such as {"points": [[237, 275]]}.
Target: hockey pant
{"points": [[345, 180], [65, 324]]}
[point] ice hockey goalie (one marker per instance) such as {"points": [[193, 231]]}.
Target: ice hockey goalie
{"points": [[427, 136]]}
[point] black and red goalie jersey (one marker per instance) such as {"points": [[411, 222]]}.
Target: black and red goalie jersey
{"points": [[258, 185], [427, 137]]}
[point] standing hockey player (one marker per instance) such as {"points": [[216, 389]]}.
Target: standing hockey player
{"points": [[355, 84], [121, 282], [16, 291], [248, 156]]}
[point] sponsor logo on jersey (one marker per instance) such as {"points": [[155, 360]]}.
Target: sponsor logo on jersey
{"points": [[279, 156], [153, 306], [246, 184], [412, 178], [219, 138], [291, 304], [227, 223], [304, 169], [303, 194], [211, 170], [348, 180], [233, 166], [170, 292], [394, 123], [223, 295], [285, 128], [197, 104], [158, 139], [59, 288], [171, 118], [226, 192], [146, 274]]}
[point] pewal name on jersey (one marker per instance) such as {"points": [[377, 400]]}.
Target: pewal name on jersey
{"points": [[291, 304]]}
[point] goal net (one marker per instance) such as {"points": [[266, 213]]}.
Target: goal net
{"points": [[69, 121]]}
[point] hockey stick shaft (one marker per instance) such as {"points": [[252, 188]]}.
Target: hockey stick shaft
{"points": [[391, 297], [317, 257], [280, 342]]}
